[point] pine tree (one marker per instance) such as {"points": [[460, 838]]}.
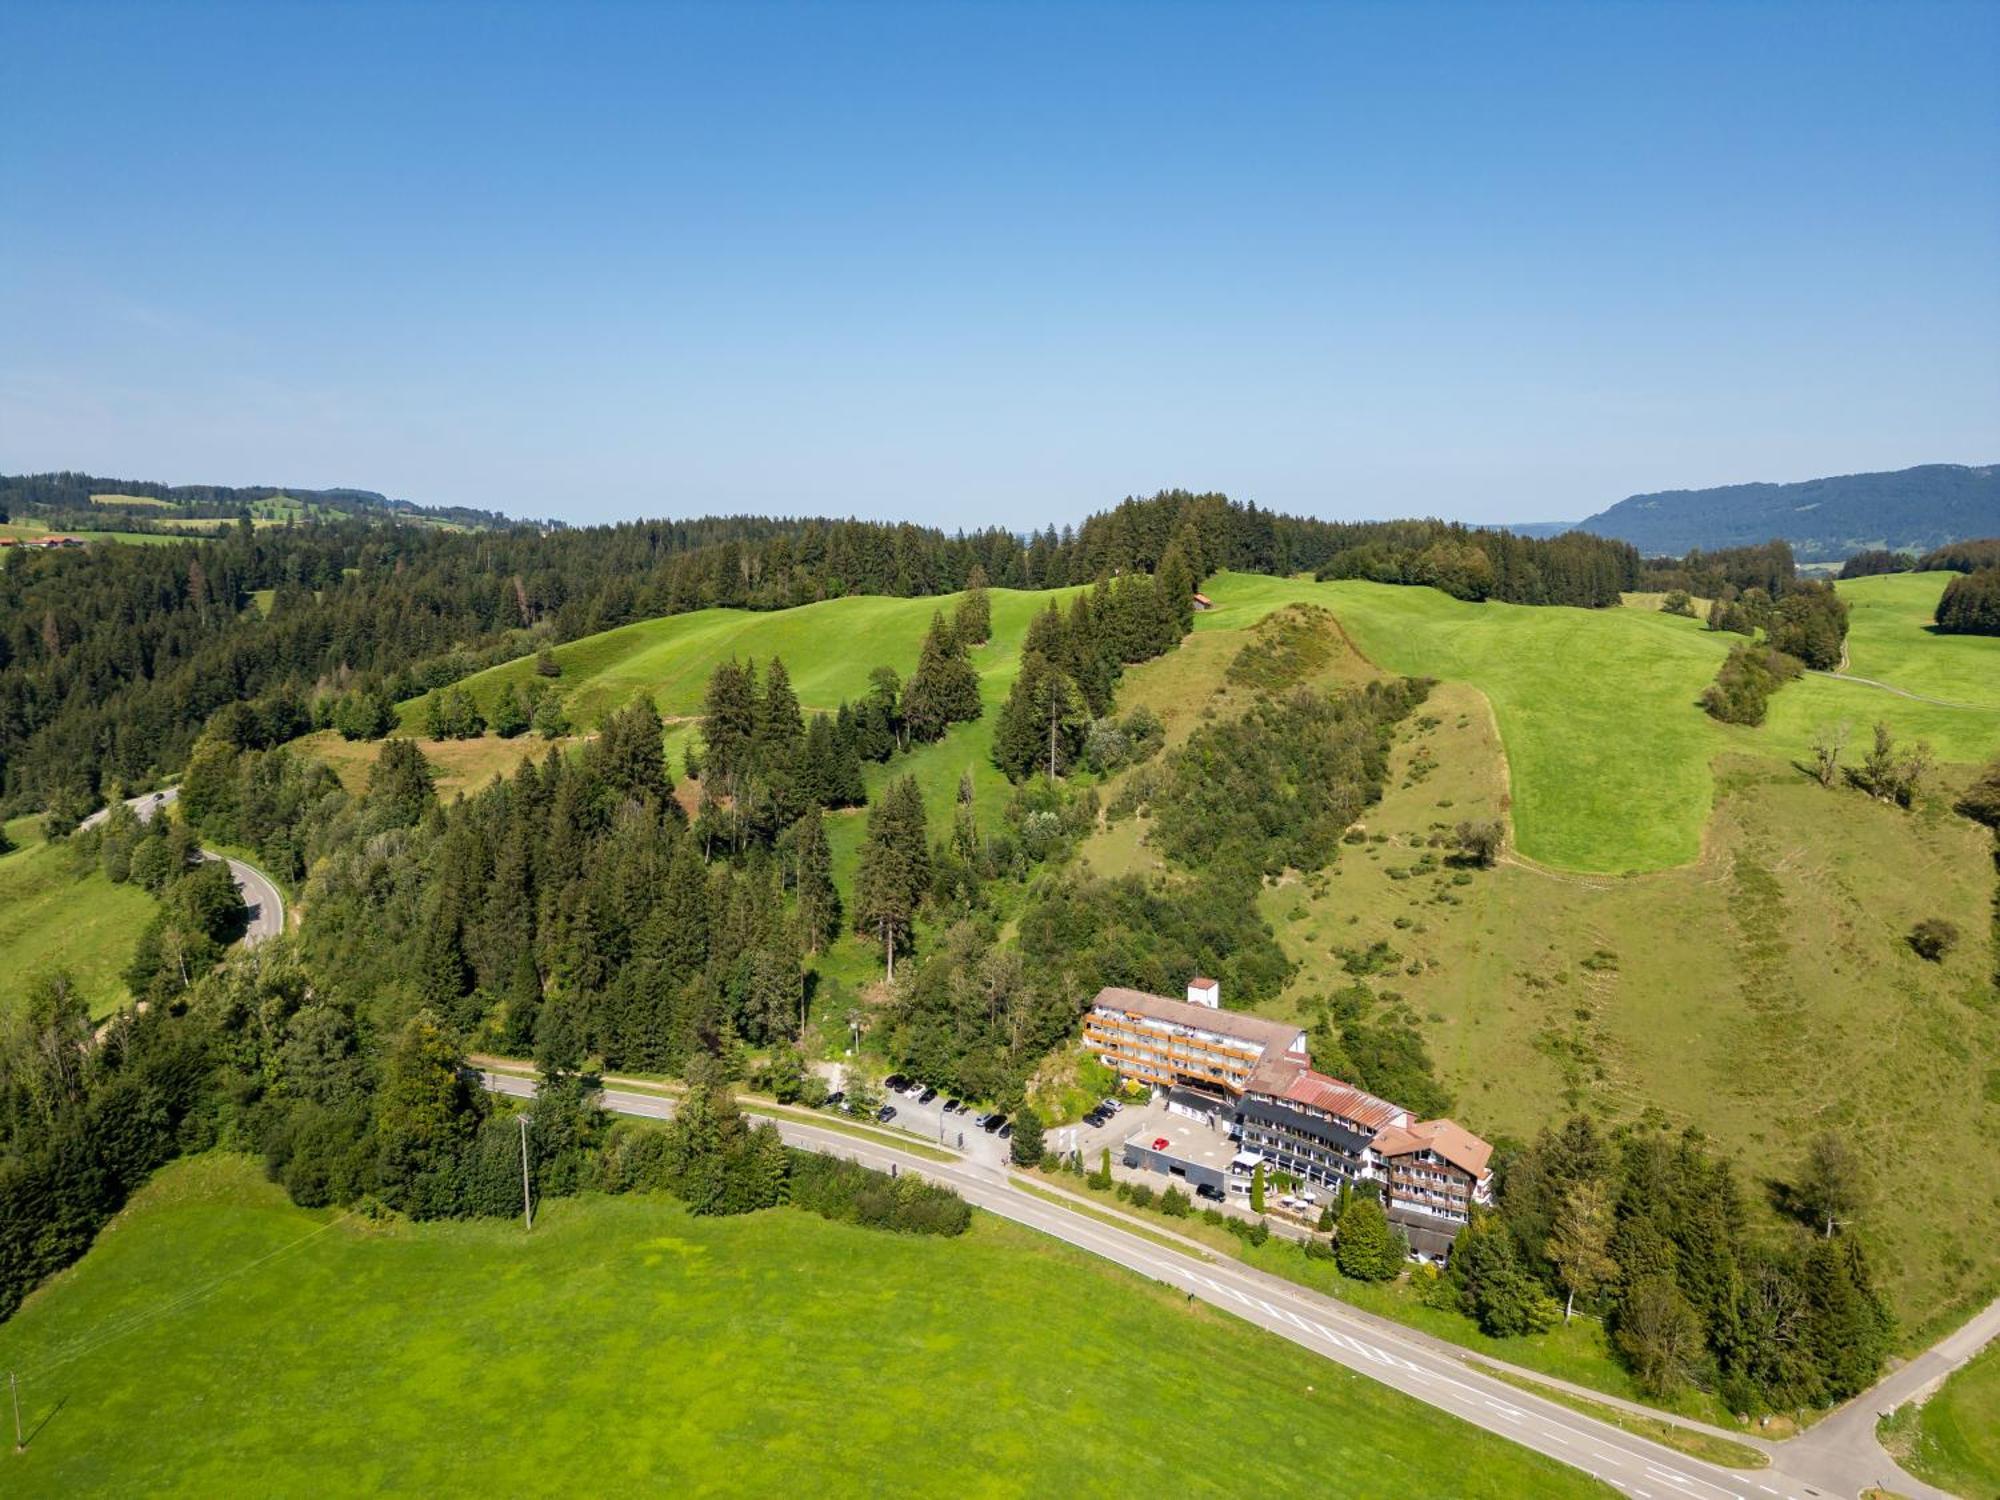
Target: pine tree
{"points": [[944, 690], [895, 868], [729, 723], [630, 754], [818, 897], [1042, 725], [780, 728], [973, 620]]}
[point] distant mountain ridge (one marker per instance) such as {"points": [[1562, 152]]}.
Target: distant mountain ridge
{"points": [[1825, 520]]}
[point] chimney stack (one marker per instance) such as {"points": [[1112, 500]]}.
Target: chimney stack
{"points": [[1204, 992]]}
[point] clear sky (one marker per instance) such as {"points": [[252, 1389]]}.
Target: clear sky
{"points": [[977, 263]]}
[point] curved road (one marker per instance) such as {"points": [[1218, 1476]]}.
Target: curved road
{"points": [[1839, 1457], [260, 895]]}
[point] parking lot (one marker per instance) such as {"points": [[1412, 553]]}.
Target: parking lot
{"points": [[955, 1132]]}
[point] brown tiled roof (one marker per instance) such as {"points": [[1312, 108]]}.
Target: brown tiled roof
{"points": [[1256, 1029], [1447, 1138]]}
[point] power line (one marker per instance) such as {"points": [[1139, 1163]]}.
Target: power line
{"points": [[98, 1337]]}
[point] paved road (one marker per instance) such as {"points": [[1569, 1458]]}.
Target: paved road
{"points": [[267, 907], [1328, 1328]]}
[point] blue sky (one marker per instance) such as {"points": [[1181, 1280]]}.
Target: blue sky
{"points": [[976, 263]]}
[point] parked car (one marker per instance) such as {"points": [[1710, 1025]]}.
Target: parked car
{"points": [[1096, 1117], [886, 1113], [926, 1096], [980, 1120], [995, 1122], [1110, 1106], [952, 1107], [1209, 1191], [1006, 1132], [834, 1100]]}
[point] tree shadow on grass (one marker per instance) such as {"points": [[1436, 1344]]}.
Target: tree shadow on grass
{"points": [[1786, 1199]]}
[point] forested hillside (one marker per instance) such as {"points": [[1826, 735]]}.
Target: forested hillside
{"points": [[82, 502], [1825, 520], [112, 658]]}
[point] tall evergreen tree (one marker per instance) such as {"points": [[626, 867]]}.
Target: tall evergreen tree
{"points": [[973, 619], [944, 690], [1042, 725], [818, 896], [895, 869]]}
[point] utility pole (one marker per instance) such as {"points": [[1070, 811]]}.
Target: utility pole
{"points": [[527, 1208], [14, 1387]]}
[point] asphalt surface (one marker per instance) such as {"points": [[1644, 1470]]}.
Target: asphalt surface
{"points": [[267, 906], [1831, 1459]]}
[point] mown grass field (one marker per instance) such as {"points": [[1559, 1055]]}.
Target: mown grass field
{"points": [[1889, 637], [1953, 1439], [51, 919], [219, 1341], [1763, 991]]}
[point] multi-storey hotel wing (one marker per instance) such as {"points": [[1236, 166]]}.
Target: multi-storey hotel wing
{"points": [[1254, 1077]]}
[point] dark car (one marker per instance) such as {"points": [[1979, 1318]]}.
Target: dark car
{"points": [[1095, 1117], [896, 1081], [834, 1100], [952, 1106], [995, 1122], [1006, 1132], [1208, 1190], [926, 1096], [886, 1113]]}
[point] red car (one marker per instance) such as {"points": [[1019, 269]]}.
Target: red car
{"points": [[1159, 1143]]}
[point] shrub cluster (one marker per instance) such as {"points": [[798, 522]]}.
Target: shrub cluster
{"points": [[1742, 688], [850, 1193]]}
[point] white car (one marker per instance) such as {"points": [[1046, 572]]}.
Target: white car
{"points": [[914, 1091]]}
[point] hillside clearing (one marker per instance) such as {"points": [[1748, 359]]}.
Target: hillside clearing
{"points": [[51, 919]]}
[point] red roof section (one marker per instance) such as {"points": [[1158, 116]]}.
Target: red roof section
{"points": [[1317, 1091]]}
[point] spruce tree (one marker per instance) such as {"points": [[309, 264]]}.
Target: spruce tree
{"points": [[818, 897], [729, 723], [973, 620], [895, 869], [944, 689], [1042, 726]]}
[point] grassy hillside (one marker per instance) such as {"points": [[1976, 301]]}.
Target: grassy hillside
{"points": [[1609, 755], [1889, 638], [1953, 1439], [259, 1347], [1725, 992], [49, 918]]}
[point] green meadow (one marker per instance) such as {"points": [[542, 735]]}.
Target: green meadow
{"points": [[1609, 754], [218, 1340], [1953, 1439], [1889, 638], [51, 918]]}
